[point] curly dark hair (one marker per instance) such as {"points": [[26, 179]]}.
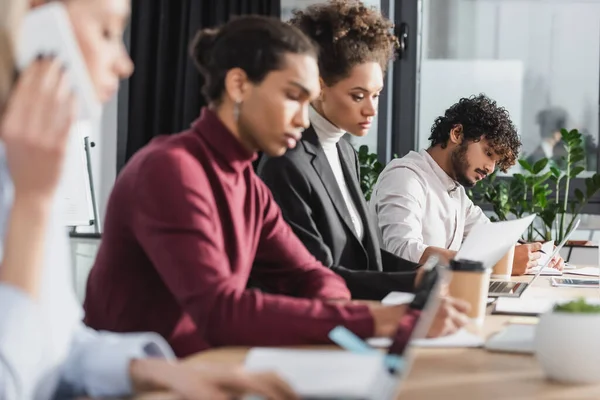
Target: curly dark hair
{"points": [[480, 117], [348, 33]]}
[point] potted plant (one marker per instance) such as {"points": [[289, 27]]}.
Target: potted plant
{"points": [[370, 168], [567, 343], [542, 189]]}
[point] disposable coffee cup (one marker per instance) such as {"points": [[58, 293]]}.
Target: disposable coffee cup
{"points": [[470, 282], [503, 268]]}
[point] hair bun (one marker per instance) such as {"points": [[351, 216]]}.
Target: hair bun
{"points": [[202, 46]]}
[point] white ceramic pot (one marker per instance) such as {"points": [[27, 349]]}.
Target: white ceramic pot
{"points": [[567, 346]]}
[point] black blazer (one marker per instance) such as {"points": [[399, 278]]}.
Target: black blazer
{"points": [[305, 188]]}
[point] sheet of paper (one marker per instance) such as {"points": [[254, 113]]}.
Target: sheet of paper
{"points": [[395, 298], [488, 243], [322, 373], [547, 271], [570, 266], [586, 271], [547, 249], [515, 338], [462, 338], [522, 306]]}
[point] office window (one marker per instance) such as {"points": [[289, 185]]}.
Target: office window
{"points": [[538, 58], [287, 6]]}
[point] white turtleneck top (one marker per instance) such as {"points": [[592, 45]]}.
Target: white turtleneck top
{"points": [[329, 135]]}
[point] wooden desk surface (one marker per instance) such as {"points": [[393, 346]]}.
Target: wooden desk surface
{"points": [[473, 373]]}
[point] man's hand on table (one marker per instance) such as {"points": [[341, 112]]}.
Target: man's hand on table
{"points": [[526, 257], [206, 381]]}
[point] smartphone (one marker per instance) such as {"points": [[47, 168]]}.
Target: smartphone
{"points": [[47, 30], [574, 282]]}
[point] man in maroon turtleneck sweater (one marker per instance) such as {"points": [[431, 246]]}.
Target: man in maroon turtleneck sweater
{"points": [[188, 221]]}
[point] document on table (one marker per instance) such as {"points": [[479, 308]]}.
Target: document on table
{"points": [[586, 271], [515, 338], [462, 338], [520, 306], [488, 243], [326, 373]]}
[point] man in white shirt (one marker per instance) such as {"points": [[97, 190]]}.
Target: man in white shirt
{"points": [[419, 201]]}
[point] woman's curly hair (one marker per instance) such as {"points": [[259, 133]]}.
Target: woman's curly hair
{"points": [[348, 33], [480, 117]]}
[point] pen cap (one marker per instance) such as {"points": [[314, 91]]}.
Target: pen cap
{"points": [[466, 266]]}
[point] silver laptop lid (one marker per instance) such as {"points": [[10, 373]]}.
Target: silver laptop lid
{"points": [[556, 250]]}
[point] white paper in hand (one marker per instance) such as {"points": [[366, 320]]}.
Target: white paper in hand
{"points": [[488, 243]]}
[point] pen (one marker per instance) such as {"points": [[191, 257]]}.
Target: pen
{"points": [[521, 241]]}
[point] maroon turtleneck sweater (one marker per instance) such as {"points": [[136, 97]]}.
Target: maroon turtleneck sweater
{"points": [[187, 224]]}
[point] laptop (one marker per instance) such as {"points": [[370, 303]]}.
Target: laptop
{"points": [[500, 288], [362, 372]]}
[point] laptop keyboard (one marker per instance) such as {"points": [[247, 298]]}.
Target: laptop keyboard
{"points": [[498, 286]]}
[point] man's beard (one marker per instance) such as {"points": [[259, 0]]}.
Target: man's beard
{"points": [[460, 165]]}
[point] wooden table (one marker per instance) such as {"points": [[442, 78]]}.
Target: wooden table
{"points": [[473, 374]]}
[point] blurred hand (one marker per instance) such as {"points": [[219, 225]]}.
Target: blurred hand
{"points": [[557, 262], [450, 317], [526, 256], [35, 127], [206, 381], [386, 318]]}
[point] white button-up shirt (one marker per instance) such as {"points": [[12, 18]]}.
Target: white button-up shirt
{"points": [[417, 205], [45, 350]]}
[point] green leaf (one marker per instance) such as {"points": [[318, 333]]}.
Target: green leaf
{"points": [[590, 187], [540, 165], [525, 165], [541, 200], [363, 150], [577, 158], [576, 171], [555, 171], [579, 195]]}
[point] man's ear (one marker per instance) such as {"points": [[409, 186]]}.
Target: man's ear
{"points": [[456, 134]]}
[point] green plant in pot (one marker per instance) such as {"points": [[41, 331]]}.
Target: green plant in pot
{"points": [[566, 342], [542, 189], [370, 168]]}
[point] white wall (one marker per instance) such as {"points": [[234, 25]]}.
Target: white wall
{"points": [[558, 42]]}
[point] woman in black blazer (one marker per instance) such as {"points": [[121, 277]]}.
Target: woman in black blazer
{"points": [[316, 184]]}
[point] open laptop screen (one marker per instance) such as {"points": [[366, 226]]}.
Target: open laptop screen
{"points": [[420, 313]]}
